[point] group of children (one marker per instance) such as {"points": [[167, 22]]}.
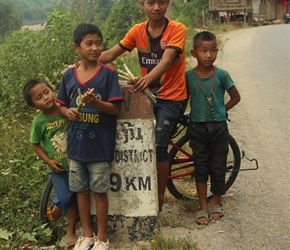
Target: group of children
{"points": [[79, 152]]}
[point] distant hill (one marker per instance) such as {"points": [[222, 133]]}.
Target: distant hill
{"points": [[31, 11]]}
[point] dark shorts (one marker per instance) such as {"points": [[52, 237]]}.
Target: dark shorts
{"points": [[166, 114], [209, 143]]}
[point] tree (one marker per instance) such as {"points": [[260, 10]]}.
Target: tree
{"points": [[35, 54], [31, 11], [86, 10], [9, 21], [188, 11], [123, 15]]}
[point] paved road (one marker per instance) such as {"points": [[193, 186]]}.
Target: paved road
{"points": [[257, 206]]}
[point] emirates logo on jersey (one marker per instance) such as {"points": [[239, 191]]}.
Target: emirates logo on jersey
{"points": [[163, 44]]}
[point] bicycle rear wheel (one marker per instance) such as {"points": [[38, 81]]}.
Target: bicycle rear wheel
{"points": [[181, 181]]}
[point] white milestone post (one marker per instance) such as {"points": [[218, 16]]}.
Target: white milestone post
{"points": [[133, 199]]}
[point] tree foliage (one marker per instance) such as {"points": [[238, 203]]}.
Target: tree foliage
{"points": [[188, 11], [29, 54], [31, 11], [9, 20], [94, 11], [123, 15]]}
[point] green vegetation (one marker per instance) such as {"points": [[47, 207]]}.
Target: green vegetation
{"points": [[160, 242], [9, 21], [46, 53], [31, 11]]}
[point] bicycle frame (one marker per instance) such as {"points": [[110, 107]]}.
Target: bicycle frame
{"points": [[181, 160]]}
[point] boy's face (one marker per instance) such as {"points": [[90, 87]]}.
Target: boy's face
{"points": [[205, 52], [42, 97], [155, 9], [90, 48]]}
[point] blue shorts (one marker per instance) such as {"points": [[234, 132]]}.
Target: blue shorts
{"points": [[89, 175], [63, 196], [166, 114]]}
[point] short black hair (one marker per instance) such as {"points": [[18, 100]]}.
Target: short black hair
{"points": [[29, 85], [84, 29], [203, 36]]}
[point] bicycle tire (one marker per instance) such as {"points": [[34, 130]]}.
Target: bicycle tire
{"points": [[44, 200], [184, 187]]}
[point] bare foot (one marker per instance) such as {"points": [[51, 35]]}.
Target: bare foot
{"points": [[71, 240]]}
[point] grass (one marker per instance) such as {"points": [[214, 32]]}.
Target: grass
{"points": [[22, 179], [161, 242]]}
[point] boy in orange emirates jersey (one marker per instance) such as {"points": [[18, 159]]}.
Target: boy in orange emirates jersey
{"points": [[160, 45]]}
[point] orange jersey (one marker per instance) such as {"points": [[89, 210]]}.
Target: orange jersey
{"points": [[171, 85]]}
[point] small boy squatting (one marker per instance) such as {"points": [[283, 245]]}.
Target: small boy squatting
{"points": [[208, 131]]}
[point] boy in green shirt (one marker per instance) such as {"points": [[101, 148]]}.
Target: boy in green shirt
{"points": [[48, 138]]}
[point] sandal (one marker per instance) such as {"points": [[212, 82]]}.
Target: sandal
{"points": [[201, 214], [217, 210]]}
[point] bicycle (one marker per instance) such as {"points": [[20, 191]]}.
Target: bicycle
{"points": [[181, 182]]}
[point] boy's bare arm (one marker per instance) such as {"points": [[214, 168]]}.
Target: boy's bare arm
{"points": [[234, 97], [62, 110], [168, 57], [54, 165], [111, 54]]}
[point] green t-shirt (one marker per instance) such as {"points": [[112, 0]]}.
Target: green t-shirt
{"points": [[51, 132]]}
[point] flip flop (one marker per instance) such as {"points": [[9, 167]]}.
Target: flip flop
{"points": [[217, 210], [201, 214]]}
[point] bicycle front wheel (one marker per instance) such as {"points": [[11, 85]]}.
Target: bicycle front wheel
{"points": [[181, 180]]}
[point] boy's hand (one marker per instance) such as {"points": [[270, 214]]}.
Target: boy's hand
{"points": [[140, 84], [73, 114], [55, 166], [89, 97]]}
